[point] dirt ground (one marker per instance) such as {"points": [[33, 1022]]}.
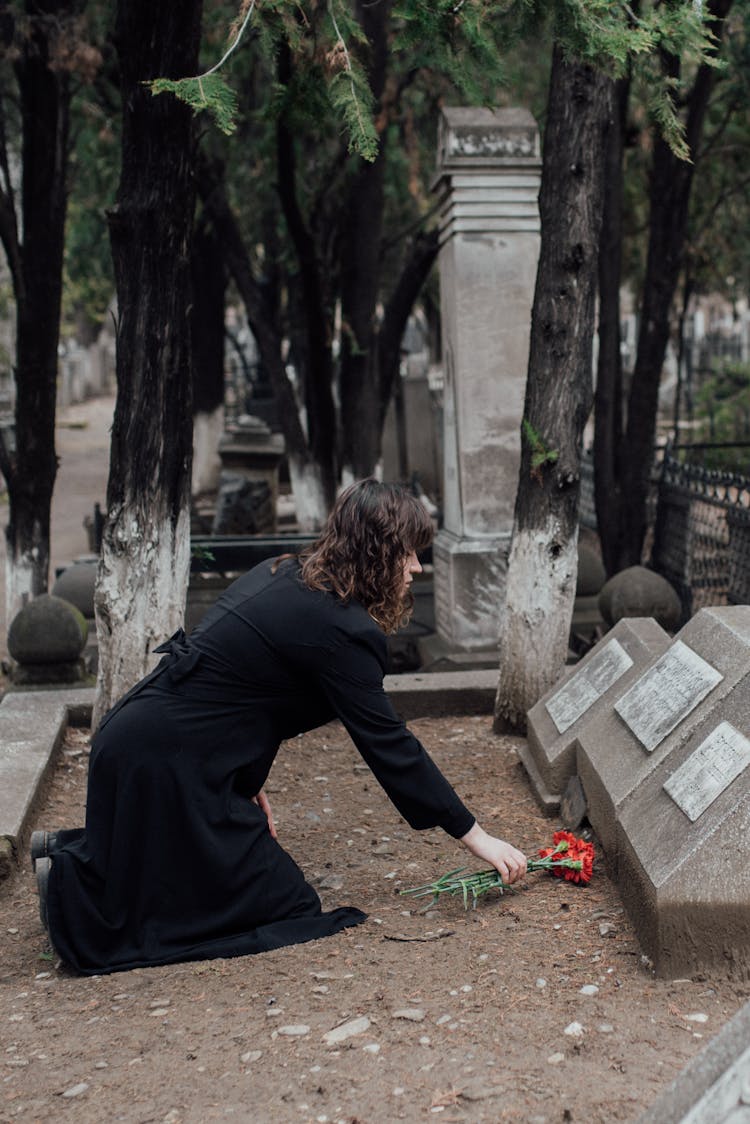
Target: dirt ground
{"points": [[476, 1016]]}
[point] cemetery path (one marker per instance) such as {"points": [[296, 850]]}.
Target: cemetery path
{"points": [[536, 1007]]}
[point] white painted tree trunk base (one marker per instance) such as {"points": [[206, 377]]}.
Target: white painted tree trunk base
{"points": [[208, 430], [535, 625], [308, 494], [139, 599], [23, 581]]}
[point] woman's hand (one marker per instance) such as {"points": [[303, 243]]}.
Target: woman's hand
{"points": [[262, 801], [509, 862]]}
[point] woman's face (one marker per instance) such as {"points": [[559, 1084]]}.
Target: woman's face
{"points": [[411, 567]]}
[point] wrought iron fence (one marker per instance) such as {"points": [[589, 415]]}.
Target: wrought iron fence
{"points": [[702, 530]]}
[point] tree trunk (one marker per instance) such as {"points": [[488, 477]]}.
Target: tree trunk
{"points": [[36, 267], [143, 573], [360, 278], [424, 251], [608, 399], [543, 559], [209, 282], [671, 183], [315, 337], [309, 480]]}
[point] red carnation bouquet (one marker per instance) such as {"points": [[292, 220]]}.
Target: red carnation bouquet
{"points": [[568, 857], [577, 865]]}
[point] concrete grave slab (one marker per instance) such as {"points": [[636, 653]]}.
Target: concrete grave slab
{"points": [[714, 1087], [682, 846], [32, 726], [624, 743], [591, 685]]}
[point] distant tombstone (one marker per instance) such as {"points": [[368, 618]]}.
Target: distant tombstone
{"points": [[549, 753], [45, 641], [640, 592], [243, 506], [250, 450]]}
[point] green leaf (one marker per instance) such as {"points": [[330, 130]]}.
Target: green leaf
{"points": [[209, 91]]}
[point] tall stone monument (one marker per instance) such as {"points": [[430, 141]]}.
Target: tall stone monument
{"points": [[488, 180]]}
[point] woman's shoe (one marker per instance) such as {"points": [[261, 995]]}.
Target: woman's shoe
{"points": [[42, 868], [43, 843]]}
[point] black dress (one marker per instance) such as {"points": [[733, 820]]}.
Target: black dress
{"points": [[175, 861]]}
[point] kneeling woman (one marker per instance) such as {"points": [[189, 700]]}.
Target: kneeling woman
{"points": [[178, 859]]}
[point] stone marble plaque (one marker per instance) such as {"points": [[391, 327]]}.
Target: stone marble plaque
{"points": [[666, 694], [588, 684], [711, 768]]}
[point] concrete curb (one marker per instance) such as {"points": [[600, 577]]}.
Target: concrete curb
{"points": [[32, 727], [436, 694]]}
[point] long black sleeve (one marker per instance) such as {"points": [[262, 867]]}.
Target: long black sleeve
{"points": [[352, 679]]}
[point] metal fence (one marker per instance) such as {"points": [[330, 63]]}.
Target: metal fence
{"points": [[702, 531], [699, 525]]}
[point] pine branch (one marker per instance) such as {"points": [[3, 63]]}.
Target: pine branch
{"points": [[208, 90]]}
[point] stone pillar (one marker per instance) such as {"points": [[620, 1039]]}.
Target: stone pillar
{"points": [[489, 171]]}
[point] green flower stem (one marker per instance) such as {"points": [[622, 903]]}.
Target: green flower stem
{"points": [[482, 881]]}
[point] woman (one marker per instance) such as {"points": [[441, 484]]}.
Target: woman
{"points": [[179, 858]]}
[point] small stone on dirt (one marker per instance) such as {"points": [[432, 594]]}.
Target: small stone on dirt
{"points": [[346, 1030], [76, 1090], [414, 1014], [295, 1031]]}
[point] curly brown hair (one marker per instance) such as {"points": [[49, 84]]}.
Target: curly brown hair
{"points": [[361, 551]]}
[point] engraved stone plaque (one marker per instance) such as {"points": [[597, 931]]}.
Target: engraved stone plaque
{"points": [[710, 769], [666, 693], [587, 685]]}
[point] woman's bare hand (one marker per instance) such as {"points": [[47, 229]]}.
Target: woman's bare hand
{"points": [[262, 801], [507, 860]]}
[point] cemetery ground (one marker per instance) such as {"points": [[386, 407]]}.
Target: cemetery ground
{"points": [[535, 1007]]}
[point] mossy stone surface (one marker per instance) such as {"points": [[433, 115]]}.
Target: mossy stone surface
{"points": [[47, 630]]}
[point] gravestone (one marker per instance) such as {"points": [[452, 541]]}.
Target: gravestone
{"points": [[549, 753], [488, 182], [682, 847], [664, 763], [621, 746], [243, 506], [250, 450]]}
